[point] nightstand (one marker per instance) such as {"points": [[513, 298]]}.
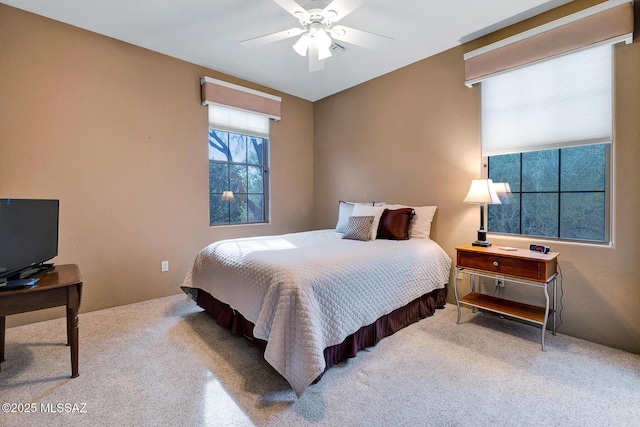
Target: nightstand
{"points": [[517, 266]]}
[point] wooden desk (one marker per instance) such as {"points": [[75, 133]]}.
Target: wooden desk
{"points": [[60, 286]]}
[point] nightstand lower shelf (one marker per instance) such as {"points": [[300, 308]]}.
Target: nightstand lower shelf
{"points": [[505, 307]]}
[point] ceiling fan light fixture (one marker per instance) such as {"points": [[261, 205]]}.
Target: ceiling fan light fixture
{"points": [[302, 45], [321, 39]]}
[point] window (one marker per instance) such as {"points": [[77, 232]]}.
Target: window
{"points": [[547, 132], [558, 193], [237, 163]]}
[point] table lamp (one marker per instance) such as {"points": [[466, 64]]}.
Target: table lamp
{"points": [[482, 193]]}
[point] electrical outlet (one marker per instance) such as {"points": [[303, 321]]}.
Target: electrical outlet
{"points": [[500, 283], [164, 266]]}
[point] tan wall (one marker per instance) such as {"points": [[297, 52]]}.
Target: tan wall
{"points": [[117, 133], [413, 137]]}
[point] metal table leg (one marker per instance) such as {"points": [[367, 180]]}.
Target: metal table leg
{"points": [[555, 304], [455, 291], [546, 313]]}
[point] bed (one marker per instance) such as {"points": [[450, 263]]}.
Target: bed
{"points": [[313, 298]]}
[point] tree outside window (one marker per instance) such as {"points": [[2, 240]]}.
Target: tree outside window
{"points": [[555, 193]]}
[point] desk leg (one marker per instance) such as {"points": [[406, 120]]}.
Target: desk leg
{"points": [[73, 304], [72, 337], [2, 326]]}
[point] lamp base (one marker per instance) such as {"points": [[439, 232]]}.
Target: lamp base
{"points": [[482, 239]]}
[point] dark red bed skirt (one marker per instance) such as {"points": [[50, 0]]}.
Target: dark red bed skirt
{"points": [[366, 336]]}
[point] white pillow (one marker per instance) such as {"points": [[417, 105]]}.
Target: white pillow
{"points": [[374, 211], [421, 226], [345, 210]]}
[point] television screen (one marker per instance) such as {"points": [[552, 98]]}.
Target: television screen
{"points": [[28, 234]]}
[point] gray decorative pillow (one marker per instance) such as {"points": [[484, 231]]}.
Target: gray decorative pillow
{"points": [[358, 228]]}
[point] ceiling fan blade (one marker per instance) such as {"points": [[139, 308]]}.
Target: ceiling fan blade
{"points": [[343, 7], [292, 7], [361, 38], [270, 38], [315, 64]]}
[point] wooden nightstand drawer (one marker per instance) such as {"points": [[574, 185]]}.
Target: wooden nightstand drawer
{"points": [[524, 268], [521, 263]]}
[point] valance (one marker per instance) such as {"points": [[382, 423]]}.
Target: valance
{"points": [[218, 92], [610, 20]]}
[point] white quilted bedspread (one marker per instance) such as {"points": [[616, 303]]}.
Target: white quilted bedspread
{"points": [[308, 291]]}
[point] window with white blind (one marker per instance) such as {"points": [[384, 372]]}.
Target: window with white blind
{"points": [[238, 153], [547, 131]]}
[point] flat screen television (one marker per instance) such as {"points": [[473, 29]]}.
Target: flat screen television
{"points": [[28, 236]]}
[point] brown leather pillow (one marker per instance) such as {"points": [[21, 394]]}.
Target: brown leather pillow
{"points": [[395, 224]]}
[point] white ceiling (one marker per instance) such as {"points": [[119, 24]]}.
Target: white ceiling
{"points": [[208, 32]]}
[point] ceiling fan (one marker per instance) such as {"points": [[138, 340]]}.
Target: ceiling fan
{"points": [[317, 20]]}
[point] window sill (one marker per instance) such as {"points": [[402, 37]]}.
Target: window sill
{"points": [[527, 240], [239, 224]]}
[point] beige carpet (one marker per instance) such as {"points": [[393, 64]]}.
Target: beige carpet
{"points": [[166, 363]]}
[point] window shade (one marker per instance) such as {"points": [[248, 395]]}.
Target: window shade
{"points": [[230, 119], [560, 102]]}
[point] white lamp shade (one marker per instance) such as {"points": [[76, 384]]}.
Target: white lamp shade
{"points": [[302, 45], [482, 192], [227, 196], [320, 39]]}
